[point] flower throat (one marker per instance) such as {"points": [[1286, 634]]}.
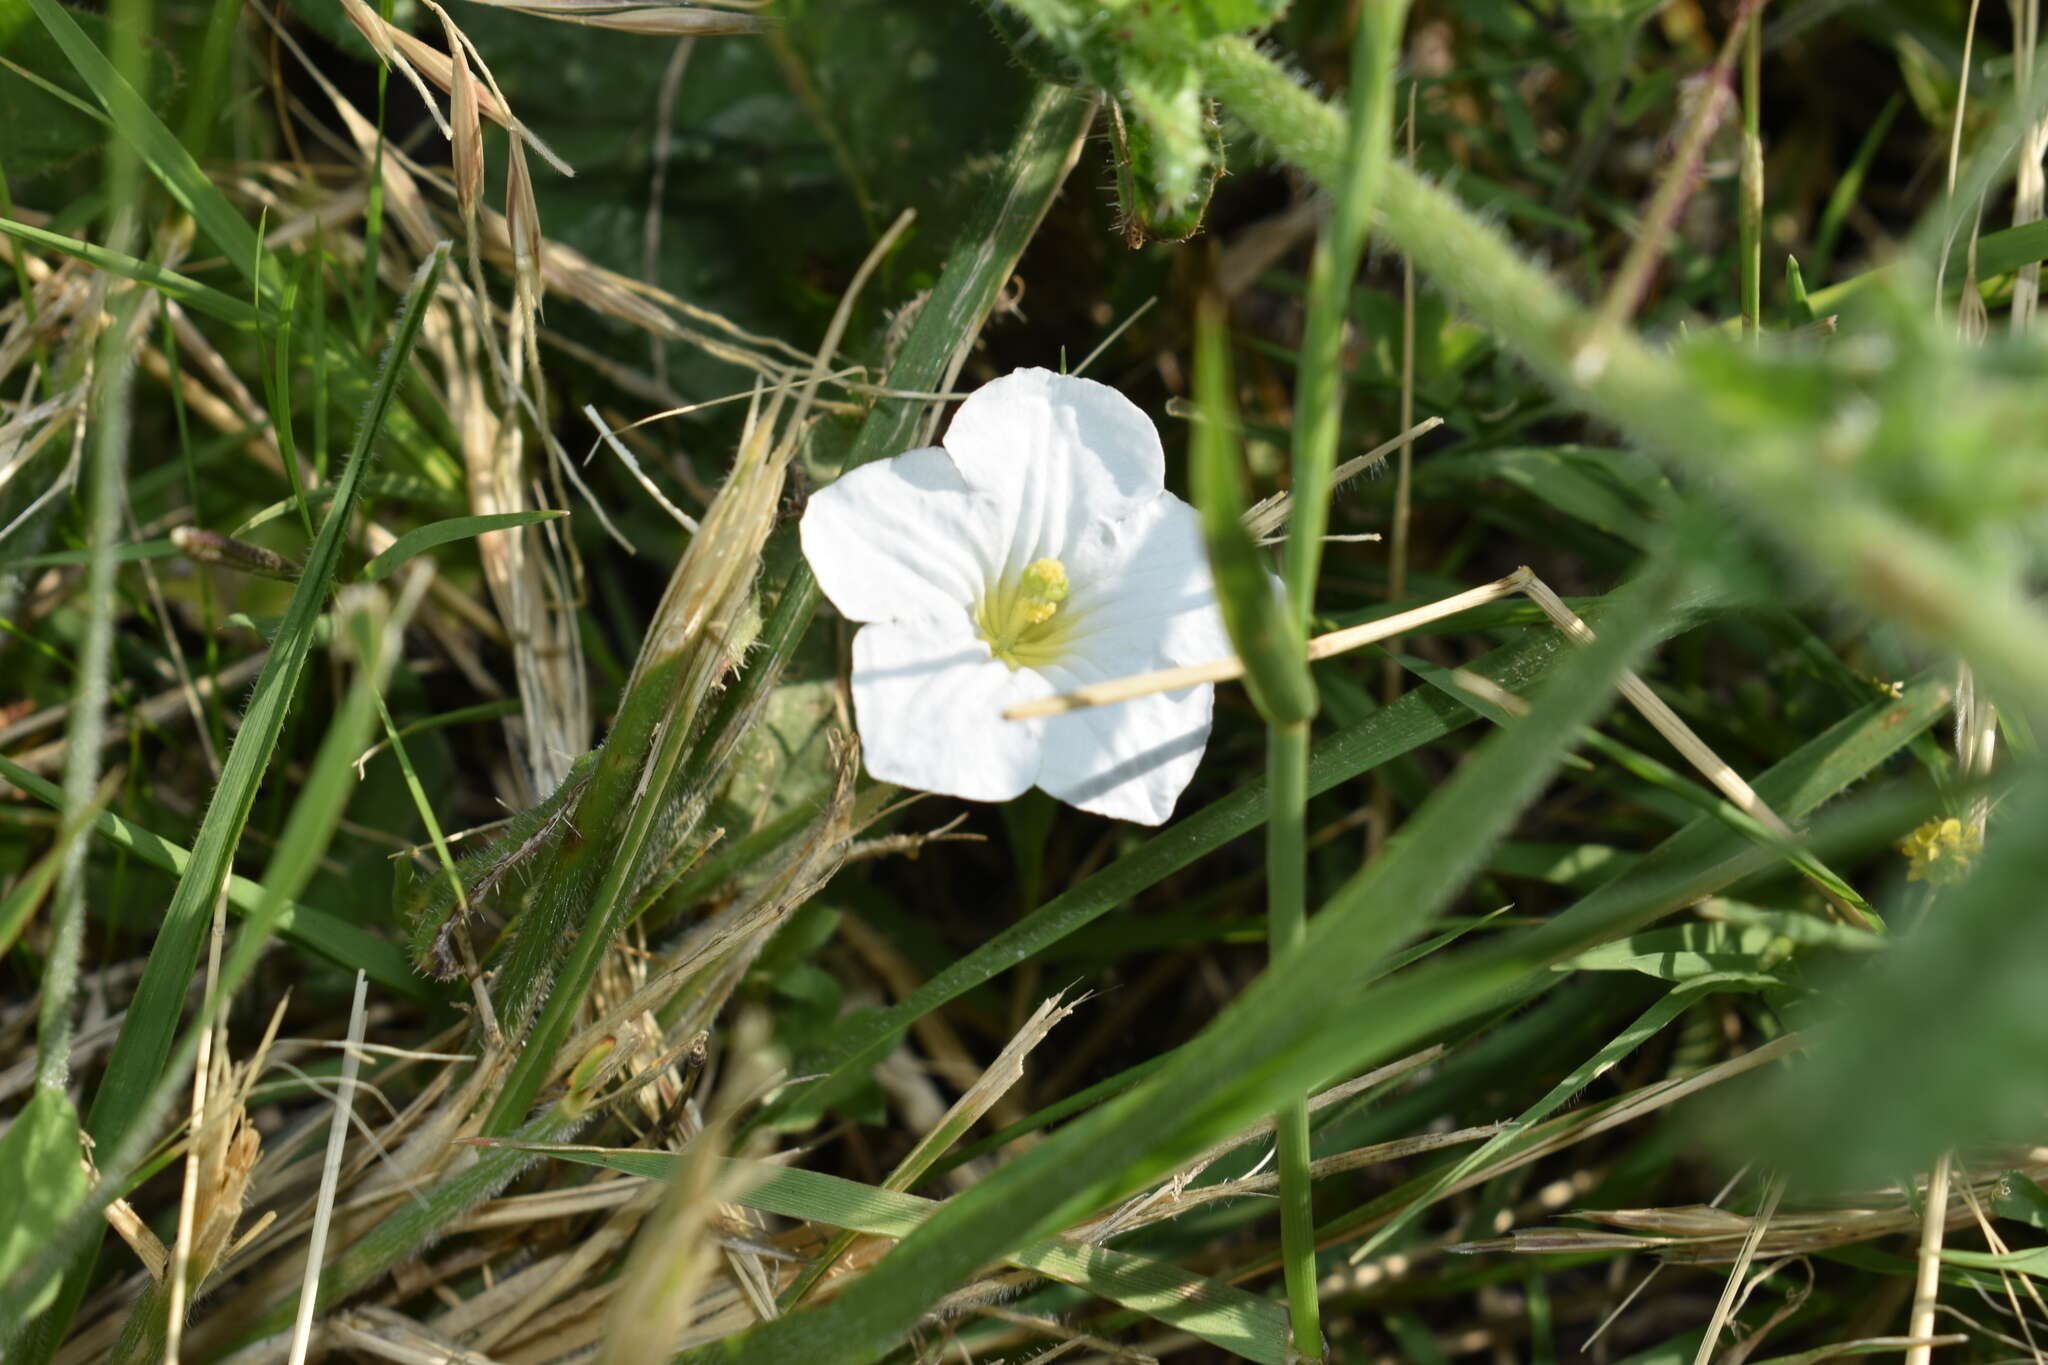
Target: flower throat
{"points": [[1021, 620]]}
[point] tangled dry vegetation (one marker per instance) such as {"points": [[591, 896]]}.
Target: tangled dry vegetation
{"points": [[561, 1122]]}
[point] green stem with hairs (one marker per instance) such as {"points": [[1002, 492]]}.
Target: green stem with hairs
{"points": [[1876, 555], [1751, 189], [1318, 420], [1287, 929]]}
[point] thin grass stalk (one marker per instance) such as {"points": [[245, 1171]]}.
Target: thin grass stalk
{"points": [[105, 476], [1381, 824], [1319, 391], [1318, 418], [1751, 187], [1286, 931]]}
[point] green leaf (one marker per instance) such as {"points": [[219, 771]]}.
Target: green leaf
{"points": [[2018, 1198], [1262, 632], [42, 1178], [200, 298], [1950, 1016], [1242, 1323], [330, 935], [2030, 1261], [426, 537], [1686, 952]]}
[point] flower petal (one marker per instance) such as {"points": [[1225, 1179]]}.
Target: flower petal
{"points": [[1142, 596], [929, 703], [1130, 761], [1058, 454], [902, 538]]}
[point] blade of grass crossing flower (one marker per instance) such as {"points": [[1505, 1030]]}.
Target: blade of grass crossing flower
{"points": [[143, 1045], [1261, 631], [1268, 1045]]}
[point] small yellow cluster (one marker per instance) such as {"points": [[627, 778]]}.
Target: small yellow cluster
{"points": [[1940, 851], [1042, 589]]}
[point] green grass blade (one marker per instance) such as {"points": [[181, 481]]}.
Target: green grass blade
{"points": [[425, 538], [182, 289], [1242, 1323], [143, 1045], [42, 1179], [1319, 385], [320, 931], [144, 1041]]}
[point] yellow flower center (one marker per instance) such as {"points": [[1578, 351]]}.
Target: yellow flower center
{"points": [[1940, 851], [1021, 619]]}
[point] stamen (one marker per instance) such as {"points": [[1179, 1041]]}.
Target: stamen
{"points": [[1020, 620]]}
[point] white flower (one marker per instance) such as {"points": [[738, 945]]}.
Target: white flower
{"points": [[1037, 551]]}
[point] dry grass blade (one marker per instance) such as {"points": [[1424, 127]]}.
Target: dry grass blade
{"points": [[653, 19], [330, 1173], [656, 1297]]}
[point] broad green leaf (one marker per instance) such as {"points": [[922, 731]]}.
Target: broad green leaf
{"points": [[425, 538], [42, 1178]]}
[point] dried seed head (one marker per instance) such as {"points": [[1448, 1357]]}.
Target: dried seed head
{"points": [[522, 226], [211, 547], [466, 143]]}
